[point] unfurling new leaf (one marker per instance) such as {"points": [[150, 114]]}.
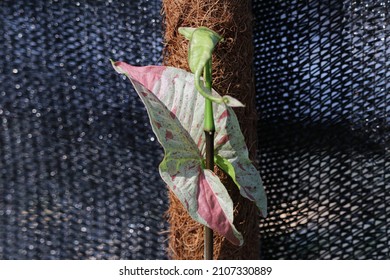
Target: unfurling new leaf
{"points": [[202, 43]]}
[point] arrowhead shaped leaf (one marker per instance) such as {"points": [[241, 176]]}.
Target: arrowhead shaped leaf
{"points": [[173, 102], [173, 108], [176, 89]]}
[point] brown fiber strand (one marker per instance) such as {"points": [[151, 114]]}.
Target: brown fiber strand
{"points": [[232, 74]]}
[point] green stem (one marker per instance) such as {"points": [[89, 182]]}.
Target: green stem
{"points": [[208, 114], [205, 92], [209, 129]]}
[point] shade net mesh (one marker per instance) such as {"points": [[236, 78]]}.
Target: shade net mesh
{"points": [[78, 158], [322, 79], [79, 162]]}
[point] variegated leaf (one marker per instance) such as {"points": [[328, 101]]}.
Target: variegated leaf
{"points": [[200, 191], [175, 88], [230, 145]]}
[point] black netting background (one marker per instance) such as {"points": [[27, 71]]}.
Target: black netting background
{"points": [[78, 160], [323, 80]]}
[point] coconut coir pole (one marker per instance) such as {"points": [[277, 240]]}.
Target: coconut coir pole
{"points": [[232, 74]]}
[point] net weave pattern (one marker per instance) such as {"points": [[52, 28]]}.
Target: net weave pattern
{"points": [[78, 176], [322, 79]]}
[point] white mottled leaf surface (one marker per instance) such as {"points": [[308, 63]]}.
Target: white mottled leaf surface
{"points": [[176, 112], [200, 191]]}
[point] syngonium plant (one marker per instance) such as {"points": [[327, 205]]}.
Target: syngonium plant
{"points": [[181, 105]]}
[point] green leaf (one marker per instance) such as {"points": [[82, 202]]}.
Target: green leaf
{"points": [[227, 167], [202, 43], [187, 32]]}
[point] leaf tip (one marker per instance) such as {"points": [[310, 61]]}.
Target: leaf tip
{"points": [[186, 32], [115, 65], [264, 212], [231, 101]]}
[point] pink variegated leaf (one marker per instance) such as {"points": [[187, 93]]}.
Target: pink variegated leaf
{"points": [[175, 88], [168, 104], [230, 145]]}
